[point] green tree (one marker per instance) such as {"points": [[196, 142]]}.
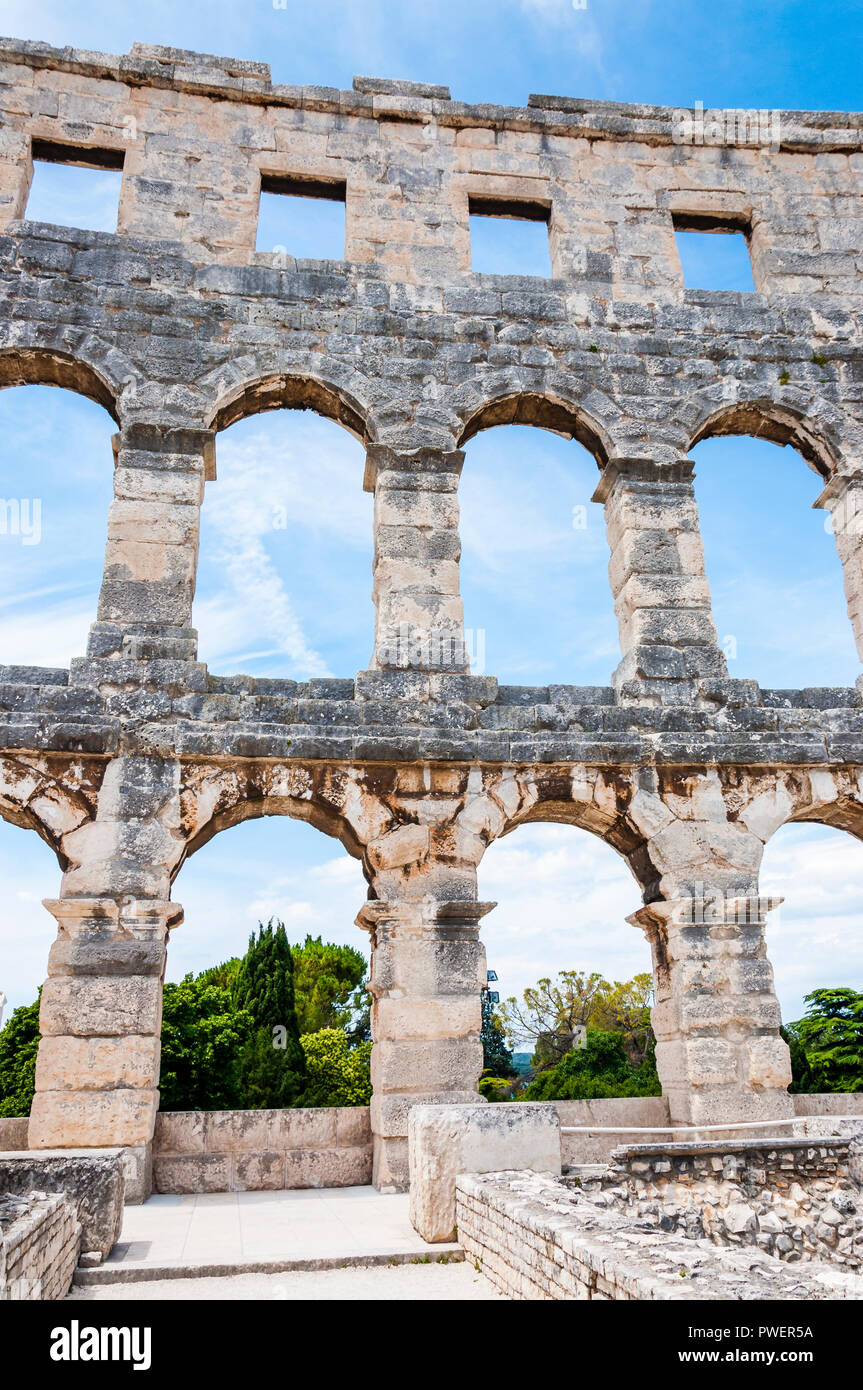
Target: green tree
{"points": [[203, 1036], [599, 1069], [496, 1056], [625, 1008], [550, 1013], [338, 1074], [272, 1061], [330, 988], [830, 1039], [19, 1043]]}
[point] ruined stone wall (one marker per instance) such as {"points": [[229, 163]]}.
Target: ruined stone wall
{"points": [[262, 1150], [797, 1201], [135, 757], [536, 1239], [40, 1240]]}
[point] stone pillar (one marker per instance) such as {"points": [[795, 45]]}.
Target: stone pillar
{"points": [[427, 970], [661, 595], [716, 1018], [97, 1073], [843, 499], [16, 174], [145, 606], [419, 621]]}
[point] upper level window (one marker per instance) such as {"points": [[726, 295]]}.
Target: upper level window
{"points": [[302, 217], [509, 236], [714, 253], [75, 187]]}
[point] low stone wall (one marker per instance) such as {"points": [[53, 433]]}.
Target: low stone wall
{"points": [[650, 1114], [91, 1180], [40, 1240], [641, 1112], [13, 1134], [536, 1238], [794, 1199], [253, 1150]]}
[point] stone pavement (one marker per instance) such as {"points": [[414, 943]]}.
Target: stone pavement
{"points": [[232, 1233], [387, 1284]]}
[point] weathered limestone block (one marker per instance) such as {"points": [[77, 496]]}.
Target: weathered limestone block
{"points": [[419, 617], [661, 595], [92, 1182], [427, 970], [716, 1017], [447, 1140]]}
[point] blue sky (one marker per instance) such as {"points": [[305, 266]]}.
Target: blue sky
{"points": [[534, 583]]}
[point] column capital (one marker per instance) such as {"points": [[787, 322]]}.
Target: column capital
{"points": [[421, 916], [136, 917], [704, 909], [383, 458], [651, 471], [142, 436]]}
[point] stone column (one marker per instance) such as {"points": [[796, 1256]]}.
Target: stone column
{"points": [[843, 499], [661, 595], [419, 621], [97, 1072], [16, 174], [145, 606], [427, 970], [716, 1018]]}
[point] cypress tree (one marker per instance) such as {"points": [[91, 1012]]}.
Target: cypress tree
{"points": [[272, 1062]]}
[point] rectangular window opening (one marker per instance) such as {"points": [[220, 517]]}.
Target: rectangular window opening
{"points": [[714, 252], [509, 236], [75, 186], [302, 217]]}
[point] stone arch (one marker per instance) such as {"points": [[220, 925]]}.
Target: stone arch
{"points": [[764, 802], [332, 800], [43, 800], [785, 416], [44, 365], [545, 409], [248, 390], [587, 799]]}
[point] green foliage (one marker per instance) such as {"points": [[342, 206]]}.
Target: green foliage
{"points": [[338, 1074], [329, 988], [827, 1043], [599, 1069], [202, 1038], [496, 1056], [552, 1012], [272, 1064], [496, 1088], [19, 1043]]}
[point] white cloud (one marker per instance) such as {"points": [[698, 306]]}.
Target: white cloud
{"points": [[286, 491]]}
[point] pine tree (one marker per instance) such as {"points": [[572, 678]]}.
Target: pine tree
{"points": [[496, 1056], [272, 1062]]}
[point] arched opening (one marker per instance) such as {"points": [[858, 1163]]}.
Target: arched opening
{"points": [[285, 560], [274, 869], [563, 896], [534, 563], [29, 873], [775, 577], [816, 952], [813, 937], [53, 514]]}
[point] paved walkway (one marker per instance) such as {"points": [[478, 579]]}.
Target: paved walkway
{"points": [[381, 1284], [231, 1233]]}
